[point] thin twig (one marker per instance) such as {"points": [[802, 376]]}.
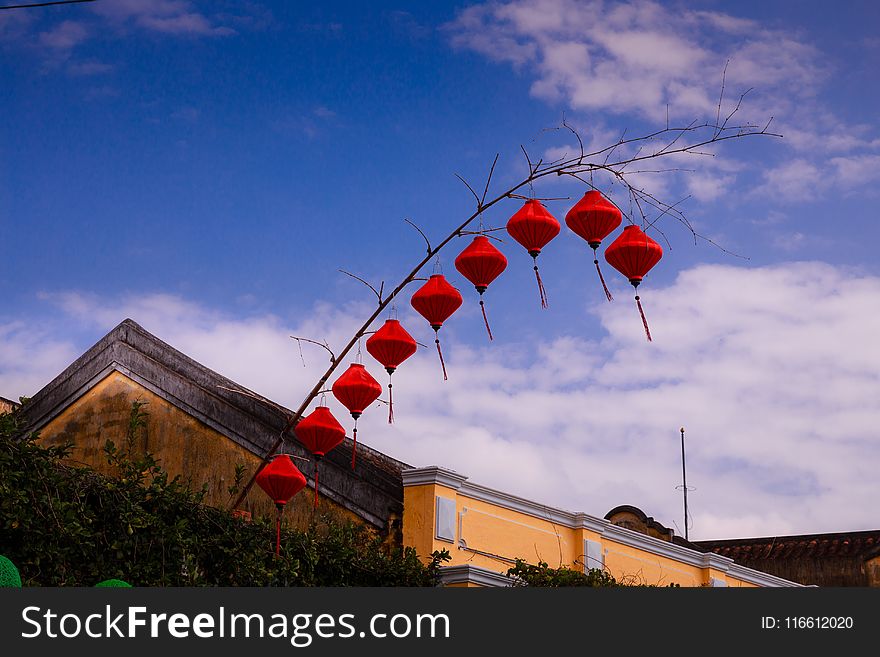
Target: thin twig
{"points": [[577, 136], [480, 232], [471, 189], [528, 159], [721, 95], [427, 241], [323, 345], [540, 198], [358, 278], [488, 180], [483, 233]]}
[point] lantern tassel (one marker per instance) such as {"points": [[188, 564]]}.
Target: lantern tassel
{"points": [[278, 530], [602, 278], [354, 436], [485, 319], [644, 321], [541, 289], [316, 484], [390, 404], [440, 353]]}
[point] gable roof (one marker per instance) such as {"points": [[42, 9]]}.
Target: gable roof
{"points": [[373, 491]]}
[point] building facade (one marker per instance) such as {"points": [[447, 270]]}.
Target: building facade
{"points": [[202, 426]]}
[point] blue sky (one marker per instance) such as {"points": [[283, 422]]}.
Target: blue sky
{"points": [[205, 168]]}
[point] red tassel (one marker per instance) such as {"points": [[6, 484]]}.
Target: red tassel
{"points": [[442, 364], [316, 484], [644, 321], [541, 290], [485, 319], [390, 405], [354, 434], [278, 532], [602, 278]]}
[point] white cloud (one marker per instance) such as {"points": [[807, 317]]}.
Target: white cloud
{"points": [[29, 357], [639, 56], [651, 61], [165, 16], [797, 180], [856, 170], [790, 242], [771, 370], [801, 180], [64, 36], [707, 187]]}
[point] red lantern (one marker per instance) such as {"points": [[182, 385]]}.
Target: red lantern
{"points": [[633, 254], [281, 480], [533, 226], [320, 432], [391, 345], [594, 218], [481, 263], [436, 300], [356, 389]]}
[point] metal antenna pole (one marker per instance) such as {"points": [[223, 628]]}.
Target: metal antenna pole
{"points": [[684, 486]]}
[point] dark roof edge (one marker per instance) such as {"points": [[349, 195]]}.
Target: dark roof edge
{"points": [[791, 537]]}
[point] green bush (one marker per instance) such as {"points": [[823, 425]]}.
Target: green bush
{"points": [[9, 575], [526, 574], [71, 526]]}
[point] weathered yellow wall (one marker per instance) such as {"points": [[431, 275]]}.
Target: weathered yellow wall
{"points": [[523, 536], [182, 444], [418, 523], [495, 536], [634, 566]]}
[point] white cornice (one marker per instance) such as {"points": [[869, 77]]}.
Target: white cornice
{"points": [[469, 574], [432, 474]]}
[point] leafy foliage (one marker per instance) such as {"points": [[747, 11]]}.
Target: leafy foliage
{"points": [[526, 574], [71, 526]]}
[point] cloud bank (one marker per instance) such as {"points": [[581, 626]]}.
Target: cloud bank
{"points": [[773, 372], [658, 61]]}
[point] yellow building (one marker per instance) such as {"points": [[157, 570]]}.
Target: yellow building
{"points": [[486, 530], [202, 425]]}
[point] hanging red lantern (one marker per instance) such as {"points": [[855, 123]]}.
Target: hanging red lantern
{"points": [[281, 480], [594, 218], [481, 263], [319, 432], [436, 300], [391, 345], [356, 389], [633, 254], [533, 226]]}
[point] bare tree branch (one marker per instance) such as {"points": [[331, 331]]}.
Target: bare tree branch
{"points": [[528, 159], [688, 139], [358, 278], [488, 181], [427, 241], [476, 197], [721, 95], [323, 345], [483, 233]]}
